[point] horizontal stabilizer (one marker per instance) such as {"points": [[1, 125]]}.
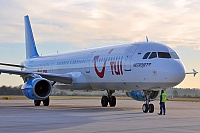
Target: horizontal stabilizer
{"points": [[12, 65]]}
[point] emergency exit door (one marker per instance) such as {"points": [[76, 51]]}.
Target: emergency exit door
{"points": [[88, 63]]}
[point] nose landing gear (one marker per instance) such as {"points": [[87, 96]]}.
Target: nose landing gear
{"points": [[147, 106]]}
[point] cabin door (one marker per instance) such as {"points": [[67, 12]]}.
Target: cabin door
{"points": [[129, 56]]}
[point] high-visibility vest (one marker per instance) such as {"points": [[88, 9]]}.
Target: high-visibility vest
{"points": [[164, 97]]}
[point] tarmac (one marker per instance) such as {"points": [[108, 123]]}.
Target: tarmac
{"points": [[87, 116]]}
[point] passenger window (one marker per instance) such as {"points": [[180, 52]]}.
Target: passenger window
{"points": [[153, 55], [146, 55], [174, 55], [163, 55]]}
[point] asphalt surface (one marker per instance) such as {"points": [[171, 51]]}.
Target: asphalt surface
{"points": [[87, 116]]}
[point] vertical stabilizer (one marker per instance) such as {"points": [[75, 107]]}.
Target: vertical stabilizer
{"points": [[31, 51]]}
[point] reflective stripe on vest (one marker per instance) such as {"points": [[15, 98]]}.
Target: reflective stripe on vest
{"points": [[164, 97]]}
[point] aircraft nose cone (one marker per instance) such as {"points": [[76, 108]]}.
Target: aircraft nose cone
{"points": [[172, 71], [176, 72]]}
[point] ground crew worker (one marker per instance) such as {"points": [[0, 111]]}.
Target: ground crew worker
{"points": [[163, 99]]}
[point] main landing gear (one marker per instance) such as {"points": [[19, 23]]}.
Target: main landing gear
{"points": [[45, 102], [108, 99], [147, 106]]}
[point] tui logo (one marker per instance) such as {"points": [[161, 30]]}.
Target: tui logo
{"points": [[116, 66]]}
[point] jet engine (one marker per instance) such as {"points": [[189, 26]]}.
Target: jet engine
{"points": [[37, 89], [140, 95]]}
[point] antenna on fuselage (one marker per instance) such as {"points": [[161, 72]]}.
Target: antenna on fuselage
{"points": [[147, 39]]}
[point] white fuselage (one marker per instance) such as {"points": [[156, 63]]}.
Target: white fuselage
{"points": [[120, 67]]}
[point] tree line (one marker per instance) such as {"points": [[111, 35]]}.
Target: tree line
{"points": [[9, 90], [184, 92], [175, 92], [16, 90]]}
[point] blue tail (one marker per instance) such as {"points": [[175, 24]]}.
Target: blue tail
{"points": [[31, 51]]}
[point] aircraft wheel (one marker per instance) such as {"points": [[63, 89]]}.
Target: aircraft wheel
{"points": [[104, 101], [112, 101], [46, 102], [145, 108], [151, 108], [37, 102]]}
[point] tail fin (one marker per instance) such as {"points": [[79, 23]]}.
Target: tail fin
{"points": [[31, 51]]}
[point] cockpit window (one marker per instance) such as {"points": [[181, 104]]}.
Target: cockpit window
{"points": [[146, 55], [153, 55], [150, 55], [163, 55], [174, 55]]}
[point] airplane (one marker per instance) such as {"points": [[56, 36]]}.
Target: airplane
{"points": [[141, 69]]}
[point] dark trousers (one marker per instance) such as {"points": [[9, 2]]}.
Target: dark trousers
{"points": [[162, 108]]}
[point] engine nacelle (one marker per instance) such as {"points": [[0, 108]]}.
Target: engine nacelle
{"points": [[139, 95], [37, 89]]}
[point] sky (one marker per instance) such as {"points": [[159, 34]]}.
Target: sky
{"points": [[70, 25]]}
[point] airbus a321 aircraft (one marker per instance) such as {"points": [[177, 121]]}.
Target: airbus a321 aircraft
{"points": [[142, 69]]}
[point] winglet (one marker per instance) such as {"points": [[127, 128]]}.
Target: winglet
{"points": [[31, 51], [194, 72]]}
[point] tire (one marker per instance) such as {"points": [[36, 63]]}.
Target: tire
{"points": [[104, 101], [151, 108], [46, 102], [112, 101], [145, 108], [37, 102]]}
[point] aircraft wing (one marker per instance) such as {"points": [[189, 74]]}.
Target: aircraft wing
{"points": [[62, 78]]}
